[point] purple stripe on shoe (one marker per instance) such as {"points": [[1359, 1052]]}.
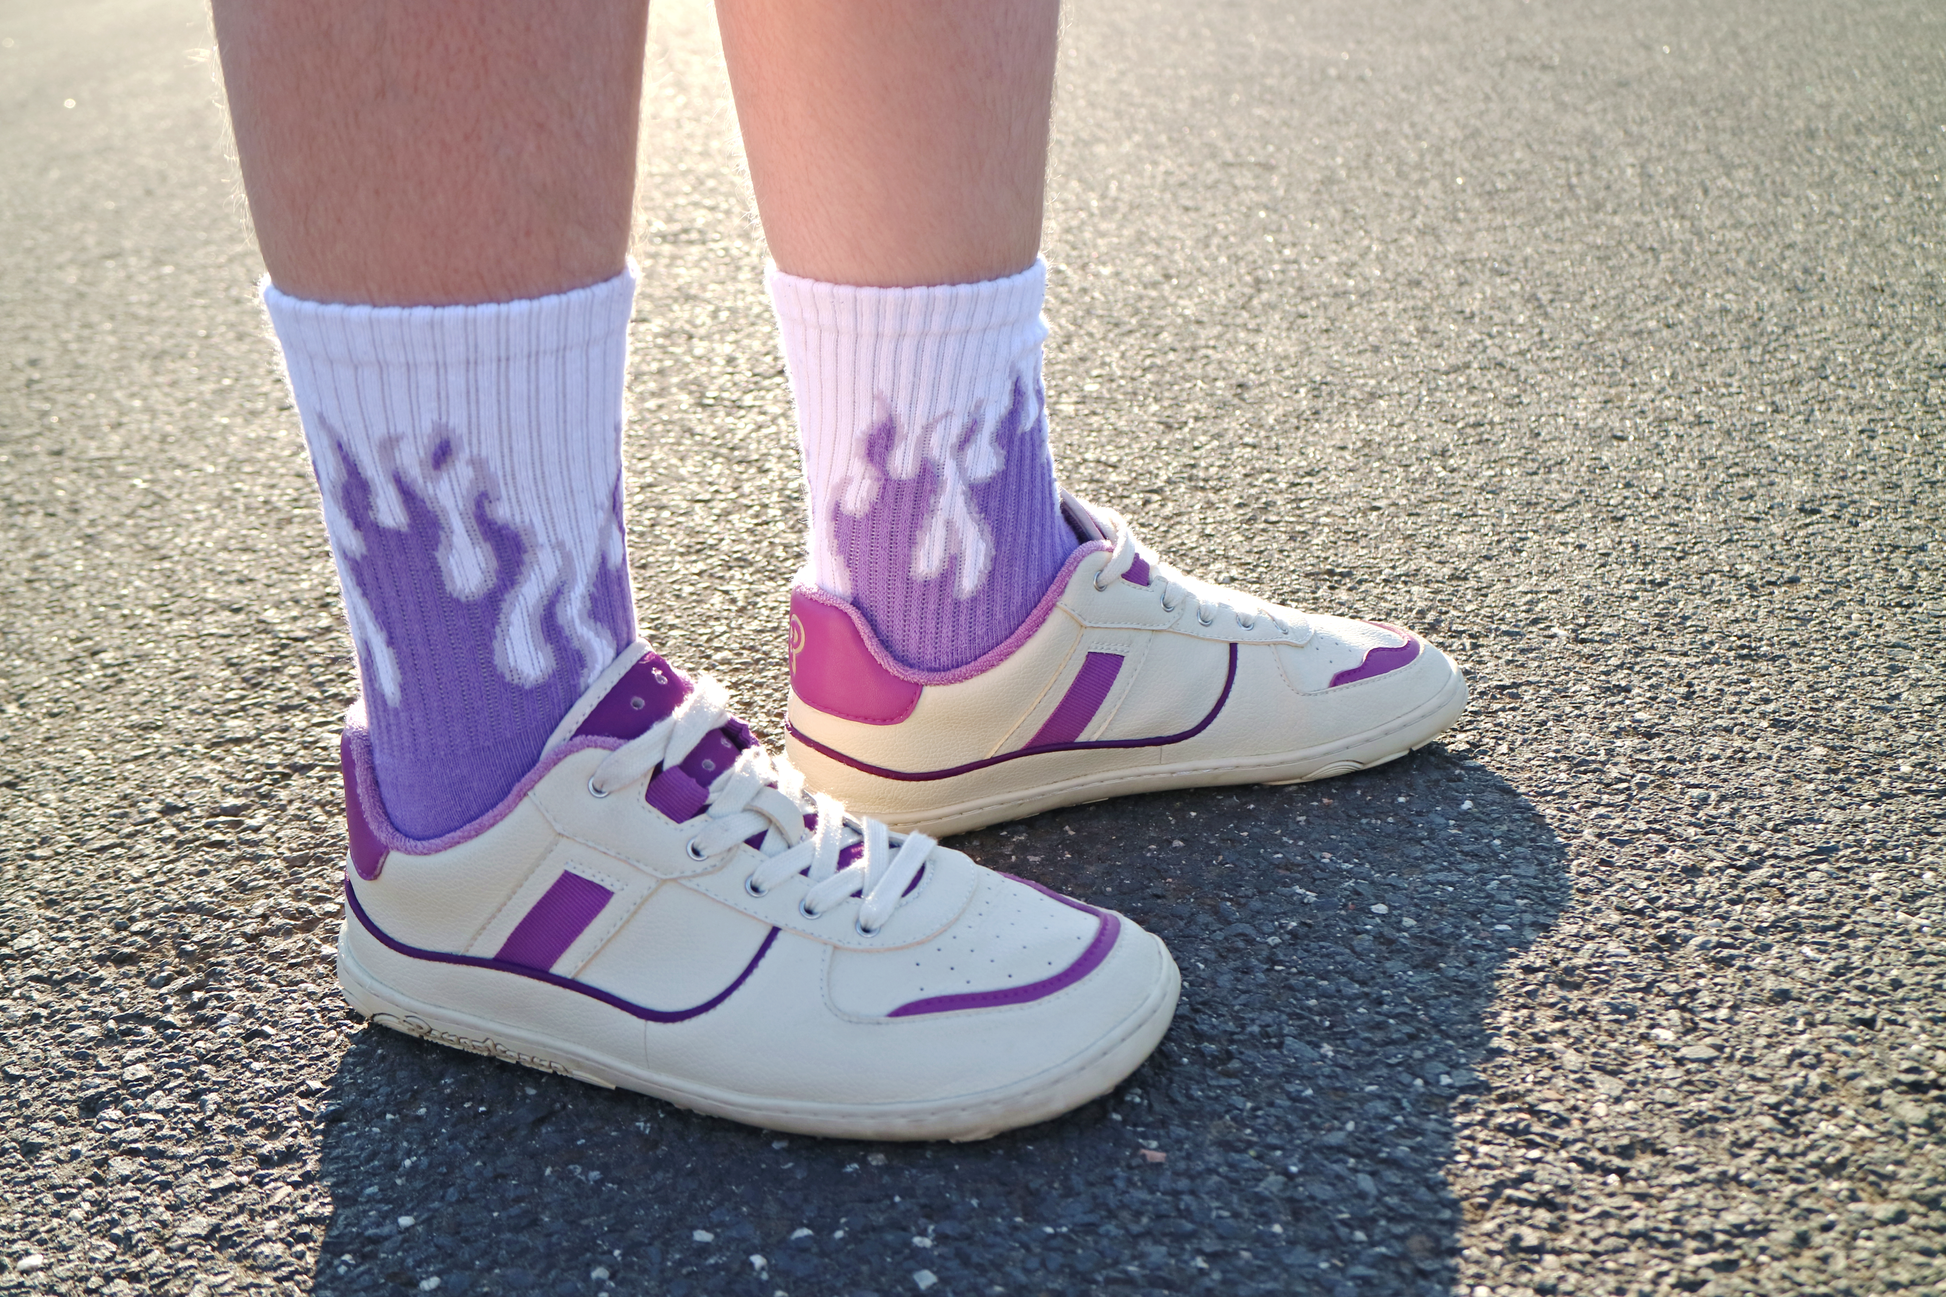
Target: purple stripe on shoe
{"points": [[1380, 660], [1105, 936], [553, 979], [560, 916], [1083, 699], [914, 776]]}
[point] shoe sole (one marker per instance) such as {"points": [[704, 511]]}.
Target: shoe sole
{"points": [[891, 800], [959, 1118]]}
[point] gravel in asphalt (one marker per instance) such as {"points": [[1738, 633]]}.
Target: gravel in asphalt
{"points": [[1603, 344]]}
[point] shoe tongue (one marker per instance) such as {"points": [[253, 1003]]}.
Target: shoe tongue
{"points": [[651, 690]]}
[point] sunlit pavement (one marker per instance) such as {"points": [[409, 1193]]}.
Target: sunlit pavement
{"points": [[1600, 343]]}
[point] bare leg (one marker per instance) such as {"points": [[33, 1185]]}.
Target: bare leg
{"points": [[473, 160], [435, 153], [895, 144]]}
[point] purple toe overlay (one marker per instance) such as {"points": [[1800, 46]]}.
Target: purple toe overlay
{"points": [[1090, 960], [608, 998], [1379, 661], [561, 915]]}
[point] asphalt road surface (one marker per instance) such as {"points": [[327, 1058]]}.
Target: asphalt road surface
{"points": [[1604, 343]]}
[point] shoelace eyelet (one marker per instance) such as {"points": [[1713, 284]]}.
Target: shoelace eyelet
{"points": [[695, 854], [1207, 621], [1100, 586], [803, 908], [751, 889], [594, 791], [863, 931]]}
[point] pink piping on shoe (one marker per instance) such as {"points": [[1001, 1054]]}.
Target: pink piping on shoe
{"points": [[357, 743], [986, 661]]}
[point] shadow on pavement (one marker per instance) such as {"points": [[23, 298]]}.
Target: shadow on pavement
{"points": [[1339, 944]]}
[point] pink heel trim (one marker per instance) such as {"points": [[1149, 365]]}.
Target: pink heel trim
{"points": [[834, 671]]}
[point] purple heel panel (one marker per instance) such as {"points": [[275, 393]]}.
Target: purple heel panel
{"points": [[1083, 699], [651, 690], [808, 595], [367, 852], [1097, 950], [1379, 661], [562, 914], [834, 671]]}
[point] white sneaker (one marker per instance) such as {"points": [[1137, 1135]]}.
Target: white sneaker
{"points": [[647, 909], [1128, 677]]}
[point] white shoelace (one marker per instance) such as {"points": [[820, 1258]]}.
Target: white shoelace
{"points": [[754, 796], [1176, 587]]}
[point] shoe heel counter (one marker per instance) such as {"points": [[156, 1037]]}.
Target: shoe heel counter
{"points": [[836, 672], [367, 851]]}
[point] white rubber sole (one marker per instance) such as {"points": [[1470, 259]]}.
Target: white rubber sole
{"points": [[892, 800], [1087, 1076]]}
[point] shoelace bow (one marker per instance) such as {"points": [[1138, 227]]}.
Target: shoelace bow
{"points": [[1176, 586], [755, 797]]}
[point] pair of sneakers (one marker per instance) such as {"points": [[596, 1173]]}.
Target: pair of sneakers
{"points": [[658, 906]]}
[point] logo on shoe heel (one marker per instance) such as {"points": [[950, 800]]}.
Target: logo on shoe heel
{"points": [[797, 640]]}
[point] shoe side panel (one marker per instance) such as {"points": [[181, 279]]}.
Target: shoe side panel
{"points": [[446, 899], [518, 1010], [782, 1035], [626, 888], [621, 825], [678, 949], [1171, 688]]}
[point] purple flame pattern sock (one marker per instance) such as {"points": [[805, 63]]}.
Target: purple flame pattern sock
{"points": [[469, 461], [933, 505]]}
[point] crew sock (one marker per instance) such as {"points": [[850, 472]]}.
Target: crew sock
{"points": [[469, 460], [933, 505]]}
